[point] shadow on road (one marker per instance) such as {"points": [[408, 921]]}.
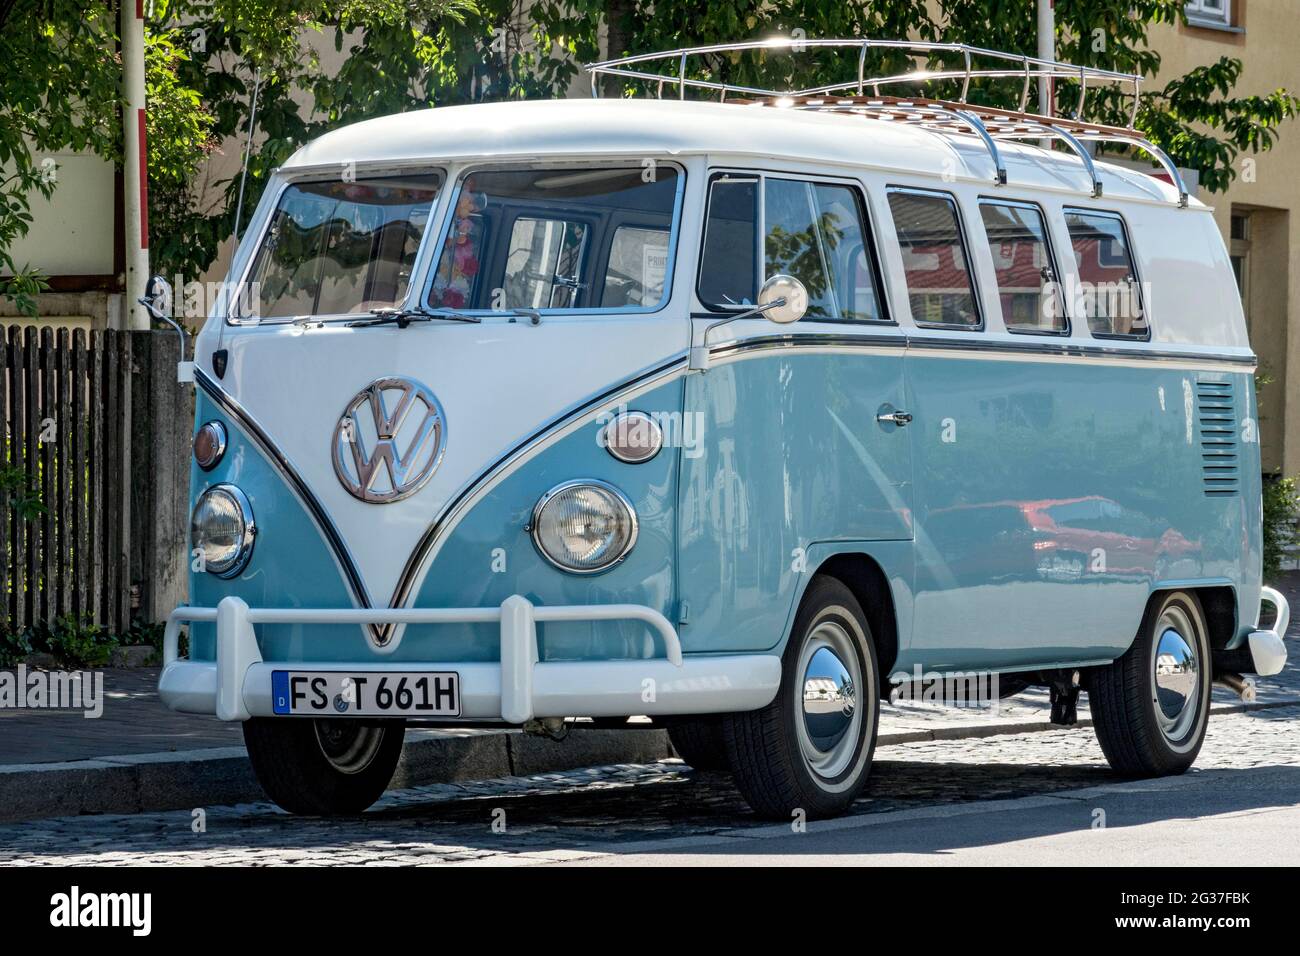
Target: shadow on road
{"points": [[678, 804]]}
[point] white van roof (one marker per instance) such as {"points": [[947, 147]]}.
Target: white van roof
{"points": [[655, 128]]}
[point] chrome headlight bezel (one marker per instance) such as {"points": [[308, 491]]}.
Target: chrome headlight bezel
{"points": [[612, 494], [233, 566]]}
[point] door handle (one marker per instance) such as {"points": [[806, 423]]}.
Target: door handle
{"points": [[894, 417]]}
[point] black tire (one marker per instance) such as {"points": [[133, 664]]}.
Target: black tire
{"points": [[700, 743], [323, 767], [1133, 699], [775, 753]]}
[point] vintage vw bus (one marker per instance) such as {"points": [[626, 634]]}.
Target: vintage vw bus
{"points": [[729, 413]]}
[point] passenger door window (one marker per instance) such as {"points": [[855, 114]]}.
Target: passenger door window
{"points": [[729, 263], [1028, 289], [1109, 293], [936, 265], [813, 231]]}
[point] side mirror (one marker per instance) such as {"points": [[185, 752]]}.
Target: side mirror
{"points": [[783, 299], [157, 299]]}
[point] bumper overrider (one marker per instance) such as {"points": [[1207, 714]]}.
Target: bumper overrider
{"points": [[1266, 647], [519, 688]]}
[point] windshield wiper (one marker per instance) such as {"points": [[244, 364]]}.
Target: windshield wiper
{"points": [[404, 317]]}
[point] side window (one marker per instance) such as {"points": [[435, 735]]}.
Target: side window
{"points": [[729, 264], [1028, 288], [1109, 294], [935, 262], [813, 231]]}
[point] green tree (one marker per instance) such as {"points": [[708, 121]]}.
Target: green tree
{"points": [[400, 55], [1196, 118]]}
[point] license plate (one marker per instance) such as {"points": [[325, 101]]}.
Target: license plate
{"points": [[366, 693]]}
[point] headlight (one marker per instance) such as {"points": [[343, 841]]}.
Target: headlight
{"points": [[222, 530], [584, 526]]}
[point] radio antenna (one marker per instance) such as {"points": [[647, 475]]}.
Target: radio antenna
{"points": [[248, 144]]}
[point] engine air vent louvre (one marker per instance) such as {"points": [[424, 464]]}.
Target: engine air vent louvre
{"points": [[1216, 419]]}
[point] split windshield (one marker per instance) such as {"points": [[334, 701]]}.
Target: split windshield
{"points": [[594, 239], [558, 239], [341, 248]]}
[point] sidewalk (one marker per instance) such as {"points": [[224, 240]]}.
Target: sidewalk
{"points": [[139, 755]]}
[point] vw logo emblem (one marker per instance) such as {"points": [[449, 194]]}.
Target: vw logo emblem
{"points": [[389, 440]]}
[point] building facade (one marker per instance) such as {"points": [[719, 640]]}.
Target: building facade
{"points": [[1259, 214]]}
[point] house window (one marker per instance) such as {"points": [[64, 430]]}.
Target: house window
{"points": [[1239, 252], [1209, 12]]}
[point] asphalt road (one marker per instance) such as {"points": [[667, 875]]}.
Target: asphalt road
{"points": [[1039, 798]]}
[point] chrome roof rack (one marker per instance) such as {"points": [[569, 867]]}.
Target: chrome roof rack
{"points": [[959, 116]]}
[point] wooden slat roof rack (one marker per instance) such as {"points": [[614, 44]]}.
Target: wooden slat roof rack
{"points": [[958, 117]]}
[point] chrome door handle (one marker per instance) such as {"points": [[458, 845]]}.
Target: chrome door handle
{"points": [[896, 417]]}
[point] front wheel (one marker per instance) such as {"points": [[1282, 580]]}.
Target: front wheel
{"points": [[810, 749], [1150, 708], [323, 767], [700, 742]]}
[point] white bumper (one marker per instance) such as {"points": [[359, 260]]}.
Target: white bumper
{"points": [[519, 688], [1267, 648]]}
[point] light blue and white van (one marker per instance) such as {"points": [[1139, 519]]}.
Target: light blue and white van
{"points": [[731, 414]]}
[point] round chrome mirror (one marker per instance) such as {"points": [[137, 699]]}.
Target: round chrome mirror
{"points": [[785, 299], [157, 298]]}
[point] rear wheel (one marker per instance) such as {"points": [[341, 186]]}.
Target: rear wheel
{"points": [[810, 749], [700, 743], [323, 767], [1150, 708]]}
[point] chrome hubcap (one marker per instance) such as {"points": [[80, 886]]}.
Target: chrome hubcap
{"points": [[1176, 675], [349, 746], [831, 720]]}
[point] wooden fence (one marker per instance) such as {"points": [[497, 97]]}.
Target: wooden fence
{"points": [[96, 426]]}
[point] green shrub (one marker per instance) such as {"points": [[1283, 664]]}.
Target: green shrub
{"points": [[74, 642], [1281, 507], [15, 645], [150, 633]]}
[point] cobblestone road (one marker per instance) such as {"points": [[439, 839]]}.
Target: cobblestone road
{"points": [[613, 810]]}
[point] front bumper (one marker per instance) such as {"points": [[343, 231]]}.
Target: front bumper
{"points": [[1267, 647], [237, 685]]}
